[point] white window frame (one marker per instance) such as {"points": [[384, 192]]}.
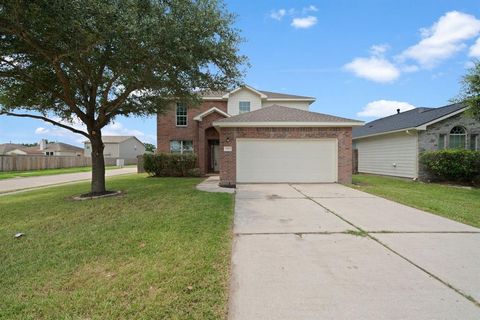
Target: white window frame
{"points": [[240, 107], [182, 149], [177, 116]]}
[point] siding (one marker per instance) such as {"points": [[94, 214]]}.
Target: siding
{"points": [[302, 105], [379, 154], [131, 148], [243, 95]]}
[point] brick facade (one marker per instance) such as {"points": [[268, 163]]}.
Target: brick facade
{"points": [[228, 138], [194, 131]]}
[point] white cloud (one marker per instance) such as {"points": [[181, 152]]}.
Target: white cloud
{"points": [[278, 14], [443, 39], [41, 130], [475, 49], [310, 8], [376, 69], [383, 108], [304, 23], [379, 49]]}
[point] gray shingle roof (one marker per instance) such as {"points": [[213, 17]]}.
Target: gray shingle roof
{"points": [[405, 120], [278, 113], [60, 146], [115, 139], [6, 147], [269, 94]]}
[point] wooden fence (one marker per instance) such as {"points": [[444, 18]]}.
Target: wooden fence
{"points": [[39, 162]]}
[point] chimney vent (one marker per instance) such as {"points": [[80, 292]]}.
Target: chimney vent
{"points": [[42, 144], [398, 111]]}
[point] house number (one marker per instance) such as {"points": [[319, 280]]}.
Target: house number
{"points": [[227, 149]]}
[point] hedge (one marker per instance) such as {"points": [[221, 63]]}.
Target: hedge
{"points": [[452, 165], [171, 165]]}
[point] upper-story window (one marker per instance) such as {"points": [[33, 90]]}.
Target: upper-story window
{"points": [[244, 106], [181, 116], [457, 138]]}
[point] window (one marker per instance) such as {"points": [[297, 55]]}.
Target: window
{"points": [[441, 141], [457, 138], [181, 116], [474, 142], [244, 106], [181, 146]]}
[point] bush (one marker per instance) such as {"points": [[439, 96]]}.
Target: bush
{"points": [[452, 165], [171, 165]]}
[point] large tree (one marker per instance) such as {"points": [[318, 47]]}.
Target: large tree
{"points": [[64, 61], [470, 90]]}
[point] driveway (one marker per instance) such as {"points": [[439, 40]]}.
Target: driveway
{"points": [[326, 251], [23, 184]]}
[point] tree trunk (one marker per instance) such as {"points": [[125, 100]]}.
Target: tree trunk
{"points": [[98, 165]]}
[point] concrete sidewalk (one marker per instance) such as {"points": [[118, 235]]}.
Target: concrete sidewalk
{"points": [[301, 252], [23, 184]]}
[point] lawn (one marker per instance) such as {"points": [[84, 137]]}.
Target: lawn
{"points": [[456, 203], [46, 172], [161, 251]]}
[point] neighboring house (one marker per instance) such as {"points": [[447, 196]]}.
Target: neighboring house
{"points": [[43, 148], [58, 149], [249, 136], [119, 147], [392, 145]]}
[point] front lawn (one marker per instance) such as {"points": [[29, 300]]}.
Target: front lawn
{"points": [[161, 251], [456, 203], [46, 172]]}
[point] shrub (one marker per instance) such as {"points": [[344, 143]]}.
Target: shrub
{"points": [[452, 165], [171, 165]]}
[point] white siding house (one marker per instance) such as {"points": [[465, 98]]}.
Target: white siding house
{"points": [[392, 154], [119, 147]]}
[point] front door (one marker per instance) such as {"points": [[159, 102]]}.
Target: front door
{"points": [[215, 157]]}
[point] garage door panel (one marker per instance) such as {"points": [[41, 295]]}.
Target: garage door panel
{"points": [[282, 160]]}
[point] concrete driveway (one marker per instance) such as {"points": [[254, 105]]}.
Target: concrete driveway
{"points": [[23, 184], [326, 251]]}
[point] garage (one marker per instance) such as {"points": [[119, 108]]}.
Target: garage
{"points": [[286, 160], [279, 144]]}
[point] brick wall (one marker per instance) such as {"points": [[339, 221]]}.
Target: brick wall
{"points": [[228, 137], [167, 129]]}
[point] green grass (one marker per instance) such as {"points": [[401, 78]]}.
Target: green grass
{"points": [[456, 203], [46, 172], [161, 251]]}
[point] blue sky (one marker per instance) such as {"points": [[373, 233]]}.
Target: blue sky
{"points": [[360, 59]]}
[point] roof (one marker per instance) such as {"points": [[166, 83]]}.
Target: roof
{"points": [[6, 147], [60, 146], [406, 120], [116, 139], [268, 94], [280, 115]]}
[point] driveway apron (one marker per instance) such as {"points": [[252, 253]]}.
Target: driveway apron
{"points": [[326, 251]]}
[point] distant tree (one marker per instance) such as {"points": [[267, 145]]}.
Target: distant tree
{"points": [[90, 61], [470, 90], [149, 147]]}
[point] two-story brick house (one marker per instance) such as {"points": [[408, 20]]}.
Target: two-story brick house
{"points": [[266, 124]]}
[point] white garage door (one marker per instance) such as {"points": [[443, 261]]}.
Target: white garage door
{"points": [[285, 160]]}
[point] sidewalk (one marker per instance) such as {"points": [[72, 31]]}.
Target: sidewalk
{"points": [[24, 184]]}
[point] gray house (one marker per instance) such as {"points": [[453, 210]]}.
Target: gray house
{"points": [[119, 147], [392, 145]]}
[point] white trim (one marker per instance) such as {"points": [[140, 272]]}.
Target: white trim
{"points": [[425, 125], [213, 98], [291, 99], [176, 117], [288, 124], [209, 111], [226, 96]]}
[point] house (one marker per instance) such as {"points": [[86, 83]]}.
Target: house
{"points": [[43, 148], [119, 147], [254, 136], [57, 149], [392, 145]]}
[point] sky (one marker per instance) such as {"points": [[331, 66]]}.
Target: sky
{"points": [[360, 59]]}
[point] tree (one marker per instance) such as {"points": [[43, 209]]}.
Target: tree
{"points": [[90, 61], [470, 90], [149, 147]]}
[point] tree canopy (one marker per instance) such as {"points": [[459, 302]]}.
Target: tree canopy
{"points": [[470, 90], [93, 60]]}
